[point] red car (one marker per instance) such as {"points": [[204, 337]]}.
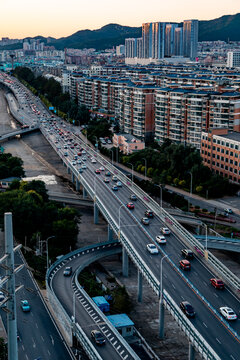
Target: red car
{"points": [[97, 171], [185, 265], [130, 206], [217, 283]]}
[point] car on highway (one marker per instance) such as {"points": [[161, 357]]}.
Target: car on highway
{"points": [[187, 253], [114, 178], [65, 154], [228, 211], [217, 283], [133, 197], [25, 306], [188, 309], [106, 180], [67, 271], [79, 161], [108, 173], [97, 171], [228, 313], [149, 213], [130, 206], [73, 162], [161, 239], [102, 168], [84, 166], [185, 264], [93, 161], [165, 231], [114, 188], [119, 184], [152, 249], [80, 170], [145, 221], [98, 337]]}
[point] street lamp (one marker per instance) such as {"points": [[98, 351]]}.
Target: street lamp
{"points": [[161, 287], [206, 237], [160, 198], [190, 173], [50, 237], [132, 170], [145, 175], [112, 155]]}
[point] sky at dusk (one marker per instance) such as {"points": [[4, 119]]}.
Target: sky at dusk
{"points": [[57, 18]]}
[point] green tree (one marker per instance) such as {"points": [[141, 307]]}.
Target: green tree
{"points": [[3, 349]]}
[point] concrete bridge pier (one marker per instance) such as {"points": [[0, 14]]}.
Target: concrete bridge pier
{"points": [[73, 177], [68, 170], [191, 352], [95, 213], [161, 318], [124, 262], [85, 194], [77, 185], [140, 277], [110, 233]]}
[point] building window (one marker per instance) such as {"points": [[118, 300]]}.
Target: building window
{"points": [[235, 163], [236, 147], [226, 167], [231, 146], [214, 147], [222, 158], [231, 153], [231, 169], [213, 162], [218, 157], [213, 155], [227, 152], [231, 162]]}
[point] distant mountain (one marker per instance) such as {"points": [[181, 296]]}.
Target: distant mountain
{"points": [[224, 28], [108, 36]]}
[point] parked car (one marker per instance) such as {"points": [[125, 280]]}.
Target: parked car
{"points": [[187, 308], [217, 283], [228, 313]]}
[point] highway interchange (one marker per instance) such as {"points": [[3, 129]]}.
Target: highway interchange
{"points": [[210, 325]]}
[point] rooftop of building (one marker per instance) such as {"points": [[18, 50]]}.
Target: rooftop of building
{"points": [[99, 300], [232, 135], [120, 320], [128, 137]]}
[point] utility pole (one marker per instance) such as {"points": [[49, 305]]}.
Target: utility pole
{"points": [[7, 262]]}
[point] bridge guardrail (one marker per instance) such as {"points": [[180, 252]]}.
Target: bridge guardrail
{"points": [[172, 223], [177, 228], [65, 318]]}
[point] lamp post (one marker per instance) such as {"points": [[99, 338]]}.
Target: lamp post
{"points": [[50, 237], [145, 173], [132, 170], [190, 173], [112, 156], [161, 306], [160, 197], [206, 237]]}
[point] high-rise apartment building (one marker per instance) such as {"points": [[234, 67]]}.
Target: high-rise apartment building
{"points": [[131, 47], [170, 39], [178, 41], [190, 38], [233, 59]]}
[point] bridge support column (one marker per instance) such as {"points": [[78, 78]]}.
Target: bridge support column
{"points": [[68, 170], [73, 178], [161, 319], [124, 262], [95, 213], [77, 185], [84, 193], [139, 286], [198, 230], [110, 233], [191, 352]]}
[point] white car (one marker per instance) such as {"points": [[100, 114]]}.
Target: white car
{"points": [[152, 249], [161, 239], [93, 161], [165, 231], [119, 184], [84, 166], [228, 313], [101, 168]]}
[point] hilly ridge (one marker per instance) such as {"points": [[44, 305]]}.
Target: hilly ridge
{"points": [[225, 28]]}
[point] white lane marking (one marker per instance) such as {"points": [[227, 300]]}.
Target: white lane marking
{"points": [[114, 343], [36, 325], [118, 347], [110, 334], [205, 283], [216, 295], [49, 353], [204, 324], [23, 348], [111, 339], [42, 338], [218, 341], [173, 286], [26, 357], [52, 339], [121, 352], [232, 357], [125, 357]]}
